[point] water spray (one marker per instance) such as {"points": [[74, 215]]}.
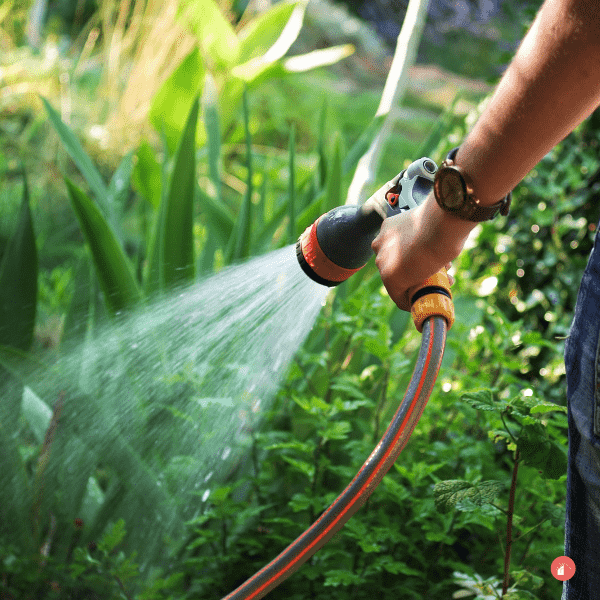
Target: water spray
{"points": [[332, 249]]}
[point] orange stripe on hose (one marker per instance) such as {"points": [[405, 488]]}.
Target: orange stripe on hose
{"points": [[363, 488]]}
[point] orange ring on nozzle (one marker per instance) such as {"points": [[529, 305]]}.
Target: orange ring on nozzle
{"points": [[318, 261]]}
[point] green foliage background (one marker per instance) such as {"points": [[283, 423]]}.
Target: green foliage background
{"points": [[437, 522]]}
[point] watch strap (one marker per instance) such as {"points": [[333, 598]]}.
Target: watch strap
{"points": [[472, 210]]}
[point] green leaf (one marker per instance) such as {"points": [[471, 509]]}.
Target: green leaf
{"points": [[292, 186], [178, 229], [219, 216], [262, 32], [481, 400], [112, 267], [211, 124], [547, 407], [317, 58], [81, 159], [556, 514], [171, 105], [216, 36], [113, 537], [539, 452], [19, 281], [239, 244], [118, 188], [337, 430], [334, 176], [448, 493], [14, 492], [37, 414], [146, 175]]}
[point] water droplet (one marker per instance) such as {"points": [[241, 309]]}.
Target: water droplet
{"points": [[226, 453], [205, 495]]}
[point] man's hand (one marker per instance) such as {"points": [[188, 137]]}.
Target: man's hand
{"points": [[407, 254]]}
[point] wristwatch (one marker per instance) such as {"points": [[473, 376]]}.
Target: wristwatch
{"points": [[453, 191]]}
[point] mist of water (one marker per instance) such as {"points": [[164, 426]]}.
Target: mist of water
{"points": [[163, 400]]}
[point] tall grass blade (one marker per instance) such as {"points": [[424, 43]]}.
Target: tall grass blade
{"points": [[334, 176], [178, 230], [220, 218], [213, 132], [112, 267], [239, 245], [81, 159], [19, 281], [321, 145], [292, 186], [118, 188], [14, 491], [146, 175]]}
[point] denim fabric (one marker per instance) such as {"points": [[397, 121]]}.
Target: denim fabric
{"points": [[582, 364]]}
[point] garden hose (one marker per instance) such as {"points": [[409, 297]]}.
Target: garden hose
{"points": [[334, 247]]}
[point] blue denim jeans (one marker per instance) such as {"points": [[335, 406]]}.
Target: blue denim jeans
{"points": [[582, 364]]}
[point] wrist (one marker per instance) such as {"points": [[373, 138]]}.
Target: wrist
{"points": [[444, 232]]}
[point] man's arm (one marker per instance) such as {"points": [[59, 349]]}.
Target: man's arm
{"points": [[551, 85]]}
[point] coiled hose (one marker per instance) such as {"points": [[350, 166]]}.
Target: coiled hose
{"points": [[433, 341]]}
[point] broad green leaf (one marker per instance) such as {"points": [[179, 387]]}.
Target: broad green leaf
{"points": [[537, 451], [19, 281], [81, 159], [215, 34], [481, 400], [171, 105], [265, 30], [112, 266], [334, 176], [36, 412], [317, 58], [178, 230], [146, 175], [547, 407]]}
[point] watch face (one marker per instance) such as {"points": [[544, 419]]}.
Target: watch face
{"points": [[451, 188]]}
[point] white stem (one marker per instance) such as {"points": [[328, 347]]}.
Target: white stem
{"points": [[395, 86]]}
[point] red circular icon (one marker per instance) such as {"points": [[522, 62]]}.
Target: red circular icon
{"points": [[562, 568]]}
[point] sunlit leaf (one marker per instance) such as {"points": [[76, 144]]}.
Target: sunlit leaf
{"points": [[318, 58]]}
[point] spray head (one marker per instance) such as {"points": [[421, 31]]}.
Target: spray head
{"points": [[338, 243]]}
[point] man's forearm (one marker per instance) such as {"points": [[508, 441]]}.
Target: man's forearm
{"points": [[551, 85]]}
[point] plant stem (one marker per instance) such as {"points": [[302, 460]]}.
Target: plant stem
{"points": [[511, 506]]}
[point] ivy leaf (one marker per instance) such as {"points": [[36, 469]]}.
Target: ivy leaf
{"points": [[448, 493]]}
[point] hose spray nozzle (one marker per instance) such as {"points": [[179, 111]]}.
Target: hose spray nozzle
{"points": [[338, 243]]}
